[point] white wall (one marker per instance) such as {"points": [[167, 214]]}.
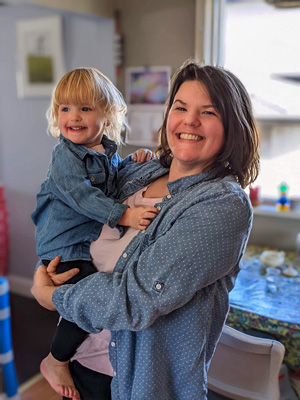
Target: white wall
{"points": [[25, 148]]}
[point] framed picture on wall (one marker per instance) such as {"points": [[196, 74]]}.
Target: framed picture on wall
{"points": [[147, 85], [40, 56], [146, 93]]}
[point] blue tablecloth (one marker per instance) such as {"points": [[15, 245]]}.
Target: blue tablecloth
{"points": [[278, 314], [250, 294]]}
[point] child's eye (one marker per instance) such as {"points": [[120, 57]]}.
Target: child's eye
{"points": [[64, 109], [86, 109]]}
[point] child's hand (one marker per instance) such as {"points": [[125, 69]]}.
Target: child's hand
{"points": [[142, 155], [138, 218]]}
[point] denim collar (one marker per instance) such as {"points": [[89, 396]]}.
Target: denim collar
{"points": [[181, 184], [109, 145]]}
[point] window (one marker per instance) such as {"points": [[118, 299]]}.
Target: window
{"points": [[262, 48]]}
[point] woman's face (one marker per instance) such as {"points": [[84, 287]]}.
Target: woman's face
{"points": [[195, 130]]}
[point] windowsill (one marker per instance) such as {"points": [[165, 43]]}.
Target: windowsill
{"points": [[271, 211]]}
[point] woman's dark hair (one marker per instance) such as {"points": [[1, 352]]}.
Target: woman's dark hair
{"points": [[239, 154]]}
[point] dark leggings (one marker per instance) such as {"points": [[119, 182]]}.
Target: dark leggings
{"points": [[90, 384], [69, 336]]}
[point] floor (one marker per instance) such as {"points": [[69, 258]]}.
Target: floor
{"points": [[37, 389], [32, 330]]}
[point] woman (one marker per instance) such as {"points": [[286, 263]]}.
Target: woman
{"points": [[167, 299]]}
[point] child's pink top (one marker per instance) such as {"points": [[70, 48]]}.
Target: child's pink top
{"points": [[105, 252]]}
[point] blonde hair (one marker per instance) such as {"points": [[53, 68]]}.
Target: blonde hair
{"points": [[89, 86]]}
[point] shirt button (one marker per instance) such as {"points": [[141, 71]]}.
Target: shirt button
{"points": [[113, 344], [158, 286], [124, 255], [169, 196], [115, 373], [158, 208], [92, 179], [91, 240]]}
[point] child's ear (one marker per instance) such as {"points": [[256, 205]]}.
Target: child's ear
{"points": [[107, 123]]}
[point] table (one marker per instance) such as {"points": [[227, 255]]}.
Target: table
{"points": [[278, 314]]}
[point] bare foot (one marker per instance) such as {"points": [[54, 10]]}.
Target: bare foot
{"points": [[58, 375]]}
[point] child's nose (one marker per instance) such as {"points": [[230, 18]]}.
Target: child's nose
{"points": [[75, 116]]}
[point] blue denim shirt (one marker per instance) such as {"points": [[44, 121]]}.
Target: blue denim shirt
{"points": [[75, 200], [167, 300]]}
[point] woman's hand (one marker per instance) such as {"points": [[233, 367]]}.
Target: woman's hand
{"points": [[45, 281]]}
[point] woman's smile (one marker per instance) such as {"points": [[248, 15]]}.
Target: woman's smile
{"points": [[189, 136], [195, 130]]}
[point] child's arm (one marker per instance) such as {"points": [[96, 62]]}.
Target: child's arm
{"points": [[138, 218], [69, 182], [139, 156], [142, 155]]}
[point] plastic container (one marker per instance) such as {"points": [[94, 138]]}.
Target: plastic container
{"points": [[272, 275]]}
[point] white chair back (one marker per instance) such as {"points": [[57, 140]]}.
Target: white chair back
{"points": [[245, 367]]}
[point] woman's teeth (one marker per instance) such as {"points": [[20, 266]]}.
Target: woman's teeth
{"points": [[189, 136]]}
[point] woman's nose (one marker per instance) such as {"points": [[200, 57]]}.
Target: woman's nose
{"points": [[192, 119]]}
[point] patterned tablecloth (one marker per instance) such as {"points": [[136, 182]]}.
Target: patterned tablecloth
{"points": [[278, 314]]}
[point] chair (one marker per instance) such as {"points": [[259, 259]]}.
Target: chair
{"points": [[245, 367]]}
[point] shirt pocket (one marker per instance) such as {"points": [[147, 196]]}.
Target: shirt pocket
{"points": [[97, 178]]}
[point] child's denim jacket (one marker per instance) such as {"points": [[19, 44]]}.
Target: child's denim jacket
{"points": [[76, 199]]}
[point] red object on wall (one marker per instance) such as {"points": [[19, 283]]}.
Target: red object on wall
{"points": [[4, 245]]}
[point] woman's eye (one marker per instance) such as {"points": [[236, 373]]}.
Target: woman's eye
{"points": [[209, 113], [180, 108]]}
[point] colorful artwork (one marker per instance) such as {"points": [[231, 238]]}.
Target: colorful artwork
{"points": [[147, 85]]}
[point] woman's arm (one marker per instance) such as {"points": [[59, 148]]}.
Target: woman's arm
{"points": [[200, 249]]}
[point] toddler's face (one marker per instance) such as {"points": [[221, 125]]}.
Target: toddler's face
{"points": [[81, 124]]}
